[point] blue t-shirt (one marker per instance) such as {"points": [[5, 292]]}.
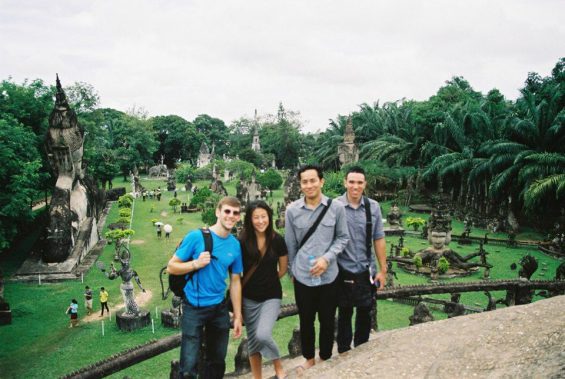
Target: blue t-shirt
{"points": [[208, 284], [74, 308]]}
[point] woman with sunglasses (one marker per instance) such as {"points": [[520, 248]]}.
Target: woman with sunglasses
{"points": [[265, 261]]}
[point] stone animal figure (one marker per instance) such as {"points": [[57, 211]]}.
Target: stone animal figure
{"points": [[157, 171]]}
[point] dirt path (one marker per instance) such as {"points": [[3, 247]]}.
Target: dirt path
{"points": [[141, 298]]}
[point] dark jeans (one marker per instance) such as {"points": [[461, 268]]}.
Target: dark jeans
{"points": [[312, 300], [214, 323], [104, 305]]}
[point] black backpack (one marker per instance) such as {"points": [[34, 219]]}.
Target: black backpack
{"points": [[178, 282]]}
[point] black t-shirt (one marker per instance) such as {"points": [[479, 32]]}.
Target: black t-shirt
{"points": [[264, 284]]}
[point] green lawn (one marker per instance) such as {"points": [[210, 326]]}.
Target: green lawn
{"points": [[39, 327]]}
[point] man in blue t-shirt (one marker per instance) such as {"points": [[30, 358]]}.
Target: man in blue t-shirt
{"points": [[204, 308]]}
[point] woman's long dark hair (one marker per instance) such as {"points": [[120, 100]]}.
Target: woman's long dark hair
{"points": [[248, 237]]}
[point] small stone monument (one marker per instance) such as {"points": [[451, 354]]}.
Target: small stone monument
{"points": [[421, 314], [171, 181]]}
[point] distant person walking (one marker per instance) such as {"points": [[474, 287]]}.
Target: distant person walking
{"points": [[72, 310], [88, 300], [103, 301]]}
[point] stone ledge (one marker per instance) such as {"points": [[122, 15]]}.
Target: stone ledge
{"points": [[516, 342]]}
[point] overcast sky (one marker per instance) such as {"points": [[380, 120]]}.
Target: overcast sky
{"points": [[322, 58]]}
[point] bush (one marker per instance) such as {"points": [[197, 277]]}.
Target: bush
{"points": [[180, 220], [209, 215], [405, 252], [154, 220], [200, 197], [415, 222], [174, 202], [271, 179], [443, 265], [125, 201], [125, 212], [203, 173], [124, 220], [118, 234], [418, 261], [241, 168], [184, 171]]}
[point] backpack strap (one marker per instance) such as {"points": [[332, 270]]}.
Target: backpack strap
{"points": [[208, 241], [369, 227], [315, 225]]}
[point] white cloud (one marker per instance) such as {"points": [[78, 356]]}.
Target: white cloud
{"points": [[319, 57]]}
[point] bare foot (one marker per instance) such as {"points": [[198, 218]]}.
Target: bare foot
{"points": [[305, 366]]}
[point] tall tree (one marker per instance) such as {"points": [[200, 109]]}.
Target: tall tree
{"points": [[19, 177], [178, 139]]}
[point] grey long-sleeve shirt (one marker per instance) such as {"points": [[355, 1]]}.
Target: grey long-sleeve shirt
{"points": [[329, 239]]}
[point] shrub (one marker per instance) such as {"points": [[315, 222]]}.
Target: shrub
{"points": [[271, 179], [125, 201], [418, 262], [184, 171], [200, 197], [125, 212], [415, 222], [443, 265], [180, 220], [154, 220], [118, 234], [124, 220], [209, 215], [405, 252], [174, 202], [241, 168]]}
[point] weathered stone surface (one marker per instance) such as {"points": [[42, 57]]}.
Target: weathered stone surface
{"points": [[129, 323], [526, 341]]}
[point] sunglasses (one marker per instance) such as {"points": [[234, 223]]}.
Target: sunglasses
{"points": [[229, 212]]}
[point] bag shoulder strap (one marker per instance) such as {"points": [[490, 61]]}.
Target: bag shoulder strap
{"points": [[315, 225], [249, 273], [369, 227]]}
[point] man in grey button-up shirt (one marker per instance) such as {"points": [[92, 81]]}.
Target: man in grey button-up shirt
{"points": [[354, 287], [315, 284]]}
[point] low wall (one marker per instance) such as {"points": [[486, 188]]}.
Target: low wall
{"points": [[526, 341]]}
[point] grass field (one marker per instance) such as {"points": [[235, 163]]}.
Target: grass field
{"points": [[39, 344]]}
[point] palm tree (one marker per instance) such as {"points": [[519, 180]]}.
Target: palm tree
{"points": [[532, 153]]}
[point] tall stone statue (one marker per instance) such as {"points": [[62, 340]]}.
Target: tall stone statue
{"points": [[75, 202], [132, 317], [204, 156], [348, 151], [126, 273]]}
